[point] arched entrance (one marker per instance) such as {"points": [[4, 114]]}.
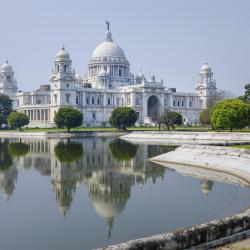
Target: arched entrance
{"points": [[154, 107]]}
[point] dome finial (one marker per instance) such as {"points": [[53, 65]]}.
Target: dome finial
{"points": [[205, 62]]}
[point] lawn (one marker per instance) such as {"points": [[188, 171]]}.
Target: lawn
{"points": [[241, 146], [144, 128]]}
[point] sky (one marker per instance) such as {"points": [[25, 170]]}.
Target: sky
{"points": [[168, 39]]}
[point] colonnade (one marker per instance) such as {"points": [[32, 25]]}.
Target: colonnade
{"points": [[38, 114]]}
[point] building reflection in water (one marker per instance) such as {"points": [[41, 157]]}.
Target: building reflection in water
{"points": [[107, 167]]}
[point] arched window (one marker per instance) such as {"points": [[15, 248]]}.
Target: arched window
{"points": [[120, 72]]}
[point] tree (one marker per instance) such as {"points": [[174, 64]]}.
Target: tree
{"points": [[170, 119], [17, 120], [5, 107], [230, 114], [123, 117], [205, 116], [246, 96], [68, 117]]}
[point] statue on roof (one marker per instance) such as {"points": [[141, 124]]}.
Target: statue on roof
{"points": [[108, 24]]}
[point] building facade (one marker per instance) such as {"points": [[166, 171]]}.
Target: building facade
{"points": [[107, 84]]}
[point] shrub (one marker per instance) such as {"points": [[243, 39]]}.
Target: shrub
{"points": [[68, 117], [123, 117], [230, 114], [17, 120]]}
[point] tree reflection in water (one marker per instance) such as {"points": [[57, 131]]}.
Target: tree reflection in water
{"points": [[5, 157], [18, 149], [69, 151], [123, 150]]}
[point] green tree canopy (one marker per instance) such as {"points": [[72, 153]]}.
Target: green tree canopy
{"points": [[68, 151], [230, 114], [123, 117], [17, 120], [18, 148], [123, 150], [205, 116], [5, 108], [68, 117], [246, 96], [170, 119], [2, 120]]}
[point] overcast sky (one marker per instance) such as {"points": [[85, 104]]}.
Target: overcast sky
{"points": [[169, 39]]}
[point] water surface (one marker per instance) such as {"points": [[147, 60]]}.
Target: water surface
{"points": [[92, 192]]}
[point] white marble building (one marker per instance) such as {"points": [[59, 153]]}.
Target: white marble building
{"points": [[107, 84]]}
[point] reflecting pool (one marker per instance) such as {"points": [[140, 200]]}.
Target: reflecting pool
{"points": [[92, 192]]}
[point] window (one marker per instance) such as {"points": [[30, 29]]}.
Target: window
{"points": [[98, 101], [8, 78], [87, 100], [67, 97], [182, 103], [117, 101], [55, 98], [174, 103], [65, 68], [57, 68], [109, 102], [178, 104], [120, 72], [138, 101], [77, 100], [93, 101], [93, 116], [190, 104], [67, 85]]}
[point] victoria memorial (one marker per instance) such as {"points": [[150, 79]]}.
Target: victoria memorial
{"points": [[107, 84]]}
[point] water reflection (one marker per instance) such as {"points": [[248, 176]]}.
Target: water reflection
{"points": [[8, 166], [108, 168]]}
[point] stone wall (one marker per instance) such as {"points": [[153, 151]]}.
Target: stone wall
{"points": [[203, 236]]}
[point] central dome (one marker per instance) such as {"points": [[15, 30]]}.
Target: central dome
{"points": [[108, 49]]}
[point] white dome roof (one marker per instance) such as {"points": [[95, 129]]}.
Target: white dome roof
{"points": [[6, 67], [78, 77], [205, 68], [62, 55], [109, 50]]}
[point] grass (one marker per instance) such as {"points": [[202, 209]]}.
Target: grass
{"points": [[241, 146], [102, 129]]}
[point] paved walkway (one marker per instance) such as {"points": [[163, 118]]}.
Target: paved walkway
{"points": [[241, 245]]}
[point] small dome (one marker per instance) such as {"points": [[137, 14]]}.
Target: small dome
{"points": [[62, 55], [140, 76], [78, 77], [205, 68], [6, 67]]}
